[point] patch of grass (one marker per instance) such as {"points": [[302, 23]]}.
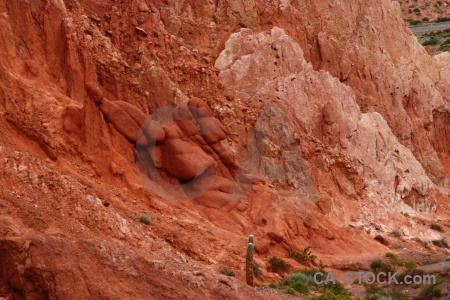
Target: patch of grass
{"points": [[410, 265], [227, 272], [277, 264], [436, 227], [145, 219], [273, 285], [394, 259]]}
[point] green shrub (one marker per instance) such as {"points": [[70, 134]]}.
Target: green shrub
{"points": [[425, 20], [410, 265], [303, 257], [227, 272], [277, 264], [145, 219], [430, 42], [396, 233], [378, 266], [416, 10], [398, 246], [273, 285], [415, 22], [436, 227], [300, 287], [430, 292], [290, 291], [333, 292], [440, 20]]}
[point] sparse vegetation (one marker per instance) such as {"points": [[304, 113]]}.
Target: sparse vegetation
{"points": [[431, 291], [398, 246], [277, 264], [227, 272], [394, 259], [436, 227], [430, 42], [209, 230], [305, 256], [396, 233], [440, 20], [379, 266], [145, 219], [410, 265]]}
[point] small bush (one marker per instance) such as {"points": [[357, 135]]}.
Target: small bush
{"points": [[440, 20], [415, 22], [379, 266], [436, 227], [430, 291], [410, 265], [297, 277], [304, 257], [396, 233], [273, 285], [300, 287], [398, 246], [145, 219], [227, 272], [209, 230], [430, 42], [277, 264]]}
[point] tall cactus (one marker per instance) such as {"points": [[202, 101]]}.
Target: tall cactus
{"points": [[249, 261]]}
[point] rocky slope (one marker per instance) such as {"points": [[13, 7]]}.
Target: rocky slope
{"points": [[428, 9], [326, 116]]}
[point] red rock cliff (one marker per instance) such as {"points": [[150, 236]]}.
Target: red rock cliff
{"points": [[364, 110]]}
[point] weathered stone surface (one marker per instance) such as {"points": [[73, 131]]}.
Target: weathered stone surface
{"points": [[275, 236], [262, 247]]}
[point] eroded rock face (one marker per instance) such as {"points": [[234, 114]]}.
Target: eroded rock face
{"points": [[186, 149]]}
